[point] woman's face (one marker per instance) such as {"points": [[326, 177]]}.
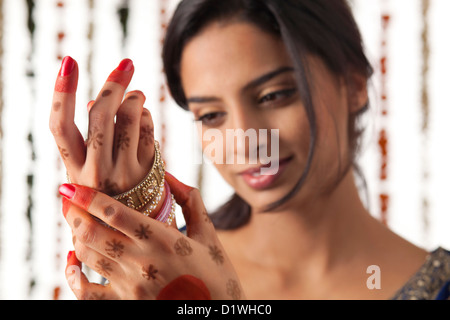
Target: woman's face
{"points": [[236, 76]]}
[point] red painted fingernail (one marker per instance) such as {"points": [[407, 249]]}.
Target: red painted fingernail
{"points": [[67, 190], [67, 66], [90, 104], [72, 260], [69, 255], [125, 65]]}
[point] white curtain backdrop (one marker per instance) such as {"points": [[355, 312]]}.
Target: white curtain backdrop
{"points": [[27, 102]]}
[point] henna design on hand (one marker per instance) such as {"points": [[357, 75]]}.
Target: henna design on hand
{"points": [[206, 216], [63, 152], [109, 211], [149, 272], [216, 254], [110, 188], [114, 249], [103, 267], [182, 247], [96, 296], [233, 289], [147, 135], [76, 223], [123, 141], [125, 120], [143, 232], [106, 93], [95, 138], [57, 106]]}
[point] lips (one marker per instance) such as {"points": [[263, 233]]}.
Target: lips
{"points": [[256, 180]]}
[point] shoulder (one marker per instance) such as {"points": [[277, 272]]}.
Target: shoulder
{"points": [[431, 282]]}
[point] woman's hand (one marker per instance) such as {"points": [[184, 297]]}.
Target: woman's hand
{"points": [[143, 258], [119, 149]]}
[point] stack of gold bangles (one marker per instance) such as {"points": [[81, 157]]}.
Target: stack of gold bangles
{"points": [[148, 193]]}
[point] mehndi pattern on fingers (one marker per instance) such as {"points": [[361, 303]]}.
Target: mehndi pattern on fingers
{"points": [[147, 135], [123, 141], [96, 296], [182, 247], [76, 222], [114, 248], [216, 254], [103, 267], [95, 138], [109, 211], [233, 289], [206, 216], [63, 152], [57, 106], [106, 93], [110, 188], [149, 272], [143, 232]]}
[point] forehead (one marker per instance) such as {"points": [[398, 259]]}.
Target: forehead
{"points": [[228, 54]]}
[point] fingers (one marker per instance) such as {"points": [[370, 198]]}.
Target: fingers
{"points": [[69, 140], [198, 223], [89, 234], [127, 130], [102, 112], [115, 214], [80, 285], [146, 148]]}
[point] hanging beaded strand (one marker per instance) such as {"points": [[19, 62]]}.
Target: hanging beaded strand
{"points": [[425, 110], [30, 137], [123, 13], [163, 21], [90, 39], [60, 36], [383, 141]]}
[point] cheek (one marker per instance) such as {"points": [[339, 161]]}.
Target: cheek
{"points": [[294, 133]]}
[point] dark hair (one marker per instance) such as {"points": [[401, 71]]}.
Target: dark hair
{"points": [[325, 28]]}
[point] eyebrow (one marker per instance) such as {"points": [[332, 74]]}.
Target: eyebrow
{"points": [[267, 77], [252, 84]]}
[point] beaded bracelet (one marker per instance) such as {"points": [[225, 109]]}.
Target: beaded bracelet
{"points": [[167, 212], [149, 189]]}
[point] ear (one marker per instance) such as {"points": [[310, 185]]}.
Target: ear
{"points": [[358, 96]]}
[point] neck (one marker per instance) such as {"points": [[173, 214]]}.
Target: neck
{"points": [[319, 234]]}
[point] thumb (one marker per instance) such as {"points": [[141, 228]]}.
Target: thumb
{"points": [[192, 206]]}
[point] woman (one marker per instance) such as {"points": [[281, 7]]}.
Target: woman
{"points": [[295, 67]]}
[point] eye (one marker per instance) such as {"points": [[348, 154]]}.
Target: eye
{"points": [[278, 95], [211, 119]]}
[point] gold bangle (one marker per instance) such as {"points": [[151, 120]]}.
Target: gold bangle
{"points": [[149, 189]]}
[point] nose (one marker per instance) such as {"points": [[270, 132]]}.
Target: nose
{"points": [[244, 139]]}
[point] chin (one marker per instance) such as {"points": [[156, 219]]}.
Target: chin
{"points": [[262, 199]]}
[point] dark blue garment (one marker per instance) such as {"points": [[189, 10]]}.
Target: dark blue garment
{"points": [[431, 282], [444, 294]]}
